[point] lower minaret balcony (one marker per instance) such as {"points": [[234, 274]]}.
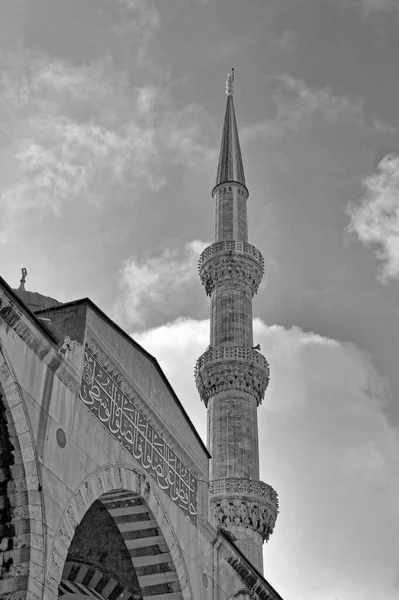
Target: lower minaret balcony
{"points": [[239, 504], [232, 368], [231, 262]]}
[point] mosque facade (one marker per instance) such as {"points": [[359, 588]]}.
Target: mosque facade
{"points": [[106, 489]]}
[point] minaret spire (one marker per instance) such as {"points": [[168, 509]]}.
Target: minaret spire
{"points": [[230, 167], [232, 375]]}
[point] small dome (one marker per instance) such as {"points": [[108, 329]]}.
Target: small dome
{"points": [[35, 301]]}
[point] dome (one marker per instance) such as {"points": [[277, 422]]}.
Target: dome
{"points": [[35, 301]]}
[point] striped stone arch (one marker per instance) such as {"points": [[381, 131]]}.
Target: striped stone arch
{"points": [[21, 523], [78, 578], [129, 497]]}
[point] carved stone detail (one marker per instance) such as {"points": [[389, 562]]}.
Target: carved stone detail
{"points": [[236, 263], [255, 514], [231, 368], [243, 487], [122, 379], [230, 246]]}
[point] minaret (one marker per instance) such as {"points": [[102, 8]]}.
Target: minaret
{"points": [[232, 375]]}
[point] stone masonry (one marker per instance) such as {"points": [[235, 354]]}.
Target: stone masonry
{"points": [[232, 375]]}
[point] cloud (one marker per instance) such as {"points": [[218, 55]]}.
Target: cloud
{"points": [[188, 140], [158, 289], [286, 41], [375, 220], [82, 133], [372, 6], [369, 8], [139, 21], [298, 105], [328, 448]]}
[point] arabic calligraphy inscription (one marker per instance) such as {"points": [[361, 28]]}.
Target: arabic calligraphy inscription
{"points": [[117, 413]]}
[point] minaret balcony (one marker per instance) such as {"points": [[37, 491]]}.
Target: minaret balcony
{"points": [[231, 262], [235, 368], [239, 503]]}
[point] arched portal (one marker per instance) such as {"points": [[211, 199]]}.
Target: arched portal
{"points": [[118, 544]]}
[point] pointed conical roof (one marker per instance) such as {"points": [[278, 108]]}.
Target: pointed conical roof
{"points": [[230, 167]]}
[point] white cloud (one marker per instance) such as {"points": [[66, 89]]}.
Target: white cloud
{"points": [[368, 8], [375, 220], [298, 105], [158, 288], [140, 19], [371, 6], [72, 132], [328, 448], [187, 138]]}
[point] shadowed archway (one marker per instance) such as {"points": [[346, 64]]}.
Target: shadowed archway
{"points": [[122, 547]]}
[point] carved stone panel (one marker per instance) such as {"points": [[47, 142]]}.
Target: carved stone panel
{"points": [[103, 394], [231, 263], [232, 368], [237, 512]]}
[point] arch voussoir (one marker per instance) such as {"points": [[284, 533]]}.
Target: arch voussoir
{"points": [[129, 497], [22, 536]]}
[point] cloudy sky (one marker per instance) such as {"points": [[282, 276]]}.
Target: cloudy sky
{"points": [[110, 120]]}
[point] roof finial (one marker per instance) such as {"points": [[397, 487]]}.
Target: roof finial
{"points": [[230, 83], [23, 278]]}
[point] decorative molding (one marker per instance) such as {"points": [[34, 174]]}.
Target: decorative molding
{"points": [[230, 246], [53, 358], [231, 263], [253, 580], [232, 368], [23, 539], [243, 487], [258, 515], [112, 403], [103, 480], [17, 321]]}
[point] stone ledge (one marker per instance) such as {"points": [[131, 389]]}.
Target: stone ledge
{"points": [[230, 246]]}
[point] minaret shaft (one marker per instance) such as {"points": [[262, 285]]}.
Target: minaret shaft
{"points": [[232, 375], [233, 437], [231, 318]]}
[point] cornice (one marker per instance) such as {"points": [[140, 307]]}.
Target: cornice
{"points": [[259, 587], [52, 357]]}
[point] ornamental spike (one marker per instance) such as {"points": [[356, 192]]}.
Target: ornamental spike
{"points": [[230, 83], [23, 278]]}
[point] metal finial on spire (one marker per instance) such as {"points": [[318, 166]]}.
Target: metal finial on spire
{"points": [[230, 167], [230, 83], [23, 278]]}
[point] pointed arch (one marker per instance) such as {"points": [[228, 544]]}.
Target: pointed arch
{"points": [[141, 519], [22, 535]]}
